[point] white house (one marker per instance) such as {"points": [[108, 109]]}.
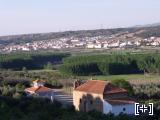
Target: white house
{"points": [[155, 43], [105, 45], [137, 43], [90, 45], [114, 44], [123, 44], [40, 90], [98, 45]]}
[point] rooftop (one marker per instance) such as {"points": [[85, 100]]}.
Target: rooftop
{"points": [[99, 87], [38, 89]]}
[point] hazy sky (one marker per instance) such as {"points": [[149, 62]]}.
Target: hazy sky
{"points": [[34, 16]]}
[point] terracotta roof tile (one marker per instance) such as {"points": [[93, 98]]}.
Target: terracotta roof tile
{"points": [[99, 87], [38, 89], [110, 89]]}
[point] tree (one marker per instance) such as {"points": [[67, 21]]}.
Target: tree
{"points": [[124, 84], [24, 69], [19, 87], [49, 66]]}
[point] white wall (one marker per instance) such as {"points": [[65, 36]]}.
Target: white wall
{"points": [[117, 109], [35, 84], [107, 108], [130, 109]]}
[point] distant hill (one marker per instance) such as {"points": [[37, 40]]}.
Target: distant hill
{"points": [[149, 32], [143, 32], [56, 35], [149, 25]]}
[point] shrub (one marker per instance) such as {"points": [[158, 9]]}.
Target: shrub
{"points": [[124, 84]]}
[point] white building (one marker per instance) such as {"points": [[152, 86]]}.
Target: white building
{"points": [[98, 45], [90, 45], [123, 44], [105, 45], [118, 106], [114, 44], [155, 43], [137, 43], [40, 90], [25, 49]]}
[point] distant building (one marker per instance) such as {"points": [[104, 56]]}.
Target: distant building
{"points": [[113, 44], [25, 49], [94, 45], [105, 45], [123, 44], [98, 45], [102, 96], [40, 90], [74, 40], [90, 45], [155, 43], [137, 43]]}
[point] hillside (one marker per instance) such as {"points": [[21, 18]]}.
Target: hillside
{"points": [[17, 39], [133, 37], [56, 35]]}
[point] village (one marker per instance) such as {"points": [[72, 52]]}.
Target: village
{"points": [[97, 42]]}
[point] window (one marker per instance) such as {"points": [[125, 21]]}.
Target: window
{"points": [[124, 109], [91, 102]]}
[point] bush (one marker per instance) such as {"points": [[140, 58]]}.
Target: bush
{"points": [[147, 91], [124, 84], [49, 66]]}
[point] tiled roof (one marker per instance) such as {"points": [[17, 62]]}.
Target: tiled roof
{"points": [[99, 87], [111, 89], [120, 102], [38, 89]]}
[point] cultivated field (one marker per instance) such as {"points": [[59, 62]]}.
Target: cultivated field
{"points": [[132, 78]]}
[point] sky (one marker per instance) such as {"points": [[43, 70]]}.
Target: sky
{"points": [[41, 16]]}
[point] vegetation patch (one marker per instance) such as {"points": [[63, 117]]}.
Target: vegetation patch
{"points": [[111, 64], [18, 61]]}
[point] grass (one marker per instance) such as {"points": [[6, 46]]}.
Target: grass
{"points": [[113, 77]]}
